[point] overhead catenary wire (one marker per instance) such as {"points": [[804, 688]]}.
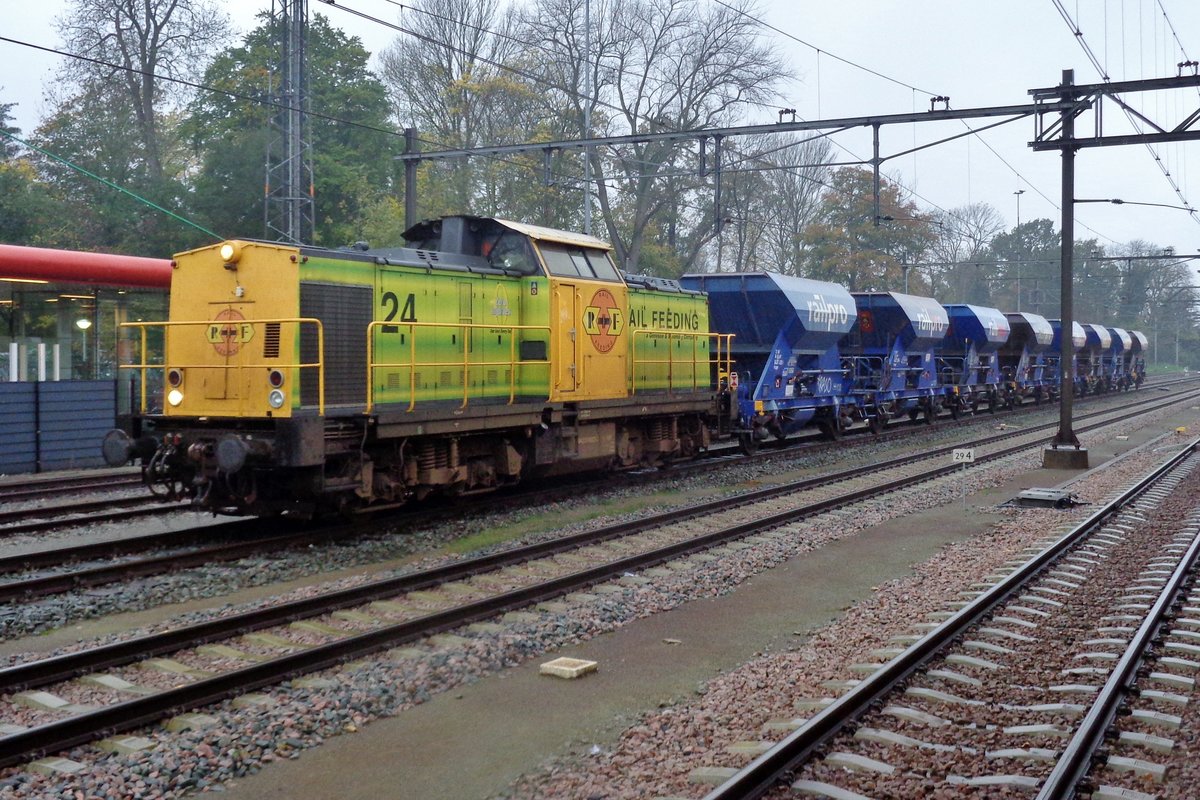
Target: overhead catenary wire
{"points": [[1077, 32]]}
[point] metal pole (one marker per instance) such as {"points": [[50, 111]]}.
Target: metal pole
{"points": [[1066, 434], [875, 162], [587, 116], [410, 179], [1018, 193]]}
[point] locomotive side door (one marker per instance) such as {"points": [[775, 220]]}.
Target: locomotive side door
{"points": [[566, 335]]}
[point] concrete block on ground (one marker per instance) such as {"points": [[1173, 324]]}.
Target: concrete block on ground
{"points": [[55, 767], [191, 722], [124, 745], [569, 668], [711, 776]]}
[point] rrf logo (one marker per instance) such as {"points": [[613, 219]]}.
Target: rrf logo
{"points": [[228, 332], [603, 321]]}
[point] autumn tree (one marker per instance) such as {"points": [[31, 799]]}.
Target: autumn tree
{"points": [[956, 261], [27, 211], [852, 245], [115, 113], [1026, 275]]}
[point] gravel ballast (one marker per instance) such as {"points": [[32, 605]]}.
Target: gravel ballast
{"points": [[296, 717]]}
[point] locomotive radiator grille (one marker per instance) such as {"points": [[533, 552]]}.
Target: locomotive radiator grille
{"points": [[271, 340]]}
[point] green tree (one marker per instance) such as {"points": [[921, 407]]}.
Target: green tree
{"points": [[144, 41], [27, 212], [1030, 259], [848, 245], [352, 151]]}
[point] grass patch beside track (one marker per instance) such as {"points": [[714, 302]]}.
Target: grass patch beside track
{"points": [[547, 521]]}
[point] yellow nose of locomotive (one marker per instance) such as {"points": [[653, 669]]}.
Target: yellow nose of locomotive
{"points": [[233, 341]]}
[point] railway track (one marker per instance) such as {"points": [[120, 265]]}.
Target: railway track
{"points": [[350, 623], [1106, 611], [36, 520], [14, 491], [171, 552]]}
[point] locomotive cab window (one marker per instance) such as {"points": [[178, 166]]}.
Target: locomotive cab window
{"points": [[512, 252], [575, 262]]}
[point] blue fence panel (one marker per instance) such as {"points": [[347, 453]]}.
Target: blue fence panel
{"points": [[75, 415], [54, 425], [18, 428]]}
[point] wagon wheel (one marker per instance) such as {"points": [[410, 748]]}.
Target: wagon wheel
{"points": [[831, 428], [955, 409], [876, 423], [159, 478], [747, 443]]}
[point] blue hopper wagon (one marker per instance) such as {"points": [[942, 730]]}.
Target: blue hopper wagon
{"points": [[968, 359], [1053, 356], [1135, 359], [890, 354], [1094, 358], [790, 372], [1023, 356], [1116, 368]]}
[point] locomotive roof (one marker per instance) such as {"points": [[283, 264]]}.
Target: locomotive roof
{"points": [[555, 235], [425, 230]]}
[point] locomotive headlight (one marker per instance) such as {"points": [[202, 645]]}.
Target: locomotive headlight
{"points": [[174, 397], [230, 253], [275, 398], [174, 377], [275, 378]]}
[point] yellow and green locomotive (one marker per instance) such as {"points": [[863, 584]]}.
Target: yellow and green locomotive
{"points": [[485, 352]]}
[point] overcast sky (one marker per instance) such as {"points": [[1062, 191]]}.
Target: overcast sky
{"points": [[979, 53]]}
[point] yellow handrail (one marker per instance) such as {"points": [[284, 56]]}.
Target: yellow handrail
{"points": [[142, 366], [722, 356], [465, 365]]}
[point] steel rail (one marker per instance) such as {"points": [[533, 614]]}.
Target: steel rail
{"points": [[1076, 759], [90, 577], [86, 507], [34, 490], [51, 670], [67, 733], [766, 771]]}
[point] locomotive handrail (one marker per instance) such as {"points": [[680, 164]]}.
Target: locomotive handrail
{"points": [[142, 366], [722, 357], [466, 364]]}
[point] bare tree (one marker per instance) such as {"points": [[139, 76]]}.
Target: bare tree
{"points": [[963, 237], [450, 80], [146, 40], [656, 65]]}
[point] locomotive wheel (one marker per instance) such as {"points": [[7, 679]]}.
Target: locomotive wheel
{"points": [[747, 444], [955, 410], [159, 480]]}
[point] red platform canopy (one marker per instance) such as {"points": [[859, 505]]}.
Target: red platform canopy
{"points": [[72, 266]]}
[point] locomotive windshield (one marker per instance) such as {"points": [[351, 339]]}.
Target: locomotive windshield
{"points": [[512, 252], [576, 262]]}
